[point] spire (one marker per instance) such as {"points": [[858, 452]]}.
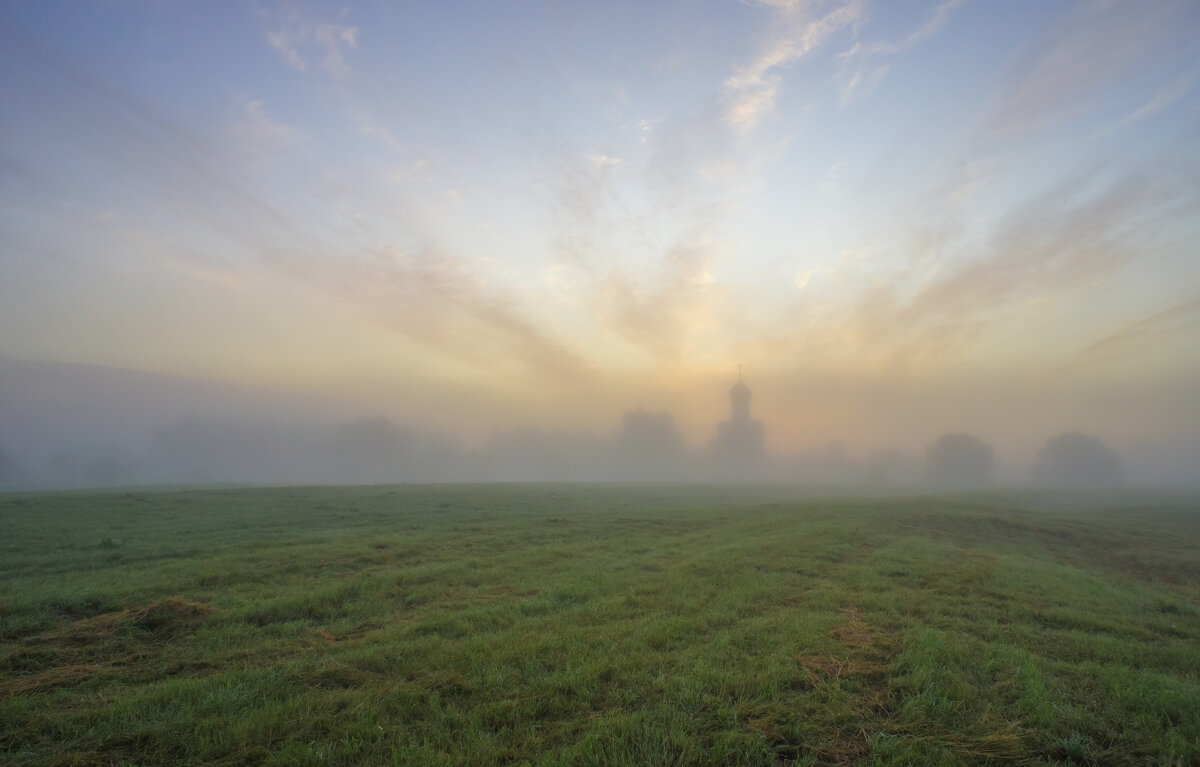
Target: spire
{"points": [[739, 397]]}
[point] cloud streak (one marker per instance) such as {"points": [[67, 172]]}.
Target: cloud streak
{"points": [[750, 93], [298, 39], [441, 302], [1096, 44], [1136, 338], [1059, 245], [662, 312], [861, 74], [256, 133], [433, 298]]}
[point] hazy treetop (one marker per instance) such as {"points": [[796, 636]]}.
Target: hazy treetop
{"points": [[1077, 460]]}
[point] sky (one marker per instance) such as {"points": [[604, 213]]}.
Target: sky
{"points": [[899, 217]]}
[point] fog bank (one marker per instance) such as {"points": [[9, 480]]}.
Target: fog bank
{"points": [[77, 426]]}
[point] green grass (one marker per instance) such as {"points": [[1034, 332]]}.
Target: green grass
{"points": [[596, 625]]}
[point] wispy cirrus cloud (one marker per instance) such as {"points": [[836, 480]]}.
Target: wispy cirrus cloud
{"points": [[256, 132], [443, 302], [643, 277], [299, 38], [861, 69], [661, 311], [371, 127], [750, 92], [1002, 256], [1173, 92], [649, 269], [1095, 45], [1073, 77], [419, 290], [1141, 335], [1072, 238]]}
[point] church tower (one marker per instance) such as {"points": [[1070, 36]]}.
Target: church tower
{"points": [[739, 447]]}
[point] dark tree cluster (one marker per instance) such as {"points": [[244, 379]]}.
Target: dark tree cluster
{"points": [[1072, 459], [960, 460], [1077, 460]]}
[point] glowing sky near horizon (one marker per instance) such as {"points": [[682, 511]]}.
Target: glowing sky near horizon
{"points": [[514, 207]]}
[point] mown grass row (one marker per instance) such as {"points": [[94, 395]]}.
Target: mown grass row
{"points": [[597, 625]]}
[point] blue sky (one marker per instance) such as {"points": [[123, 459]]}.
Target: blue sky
{"points": [[488, 213]]}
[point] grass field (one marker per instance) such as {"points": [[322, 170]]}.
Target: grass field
{"points": [[595, 625]]}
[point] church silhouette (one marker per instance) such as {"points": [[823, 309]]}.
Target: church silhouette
{"points": [[739, 446]]}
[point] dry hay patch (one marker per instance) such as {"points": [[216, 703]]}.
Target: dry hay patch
{"points": [[168, 614], [861, 655], [91, 648], [157, 617], [162, 619], [322, 636], [59, 676], [863, 663], [823, 666], [853, 631], [336, 675], [860, 665]]}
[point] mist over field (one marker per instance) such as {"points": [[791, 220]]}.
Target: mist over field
{"points": [[78, 425]]}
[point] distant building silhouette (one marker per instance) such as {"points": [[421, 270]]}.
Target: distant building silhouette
{"points": [[739, 447]]}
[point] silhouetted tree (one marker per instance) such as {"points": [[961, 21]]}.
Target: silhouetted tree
{"points": [[1078, 460], [959, 459]]}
